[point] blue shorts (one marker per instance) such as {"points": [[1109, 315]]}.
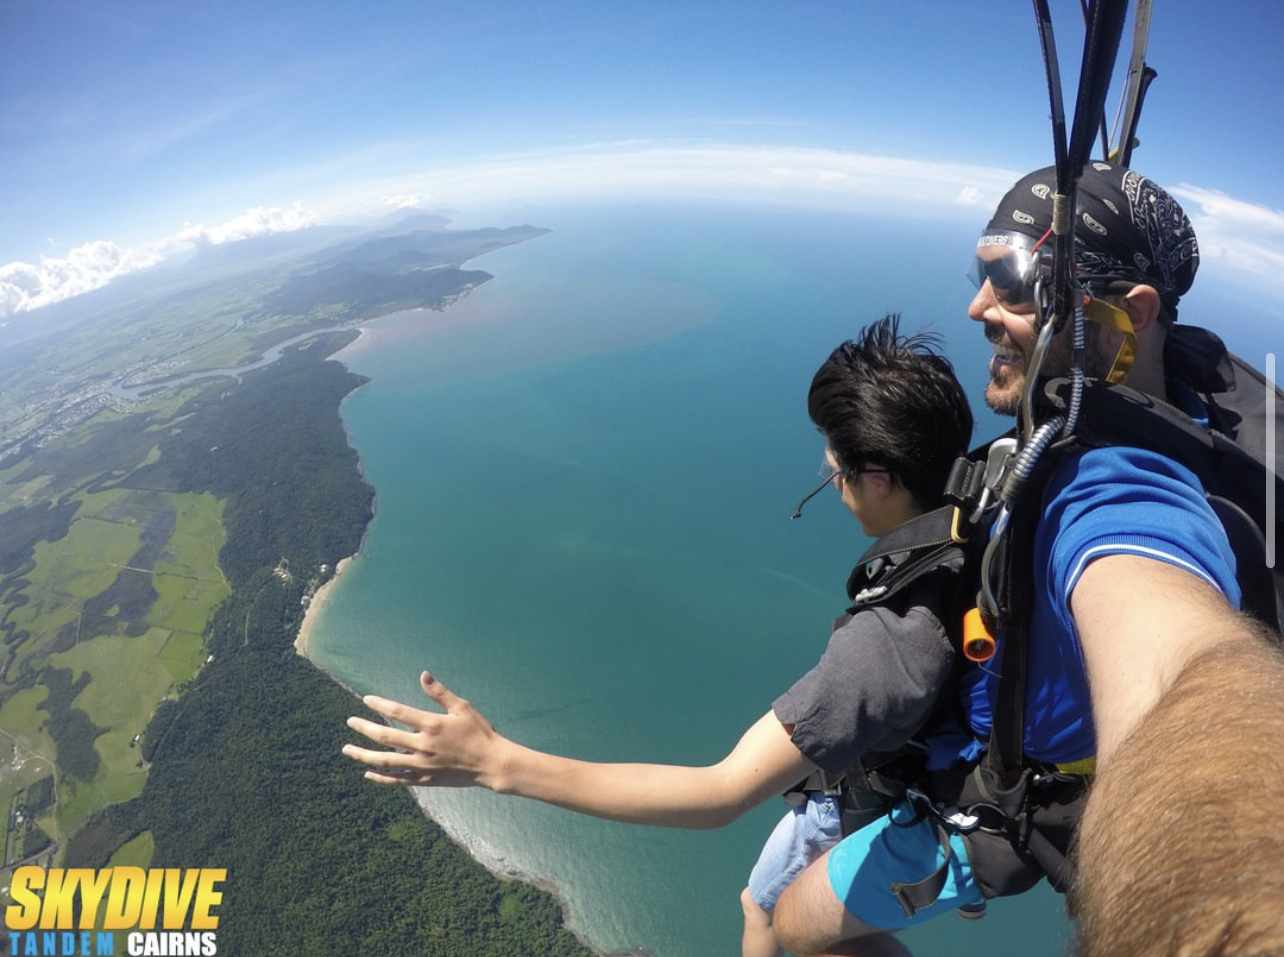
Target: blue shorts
{"points": [[893, 849], [802, 835]]}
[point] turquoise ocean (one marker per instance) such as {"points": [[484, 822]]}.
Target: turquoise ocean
{"points": [[585, 472]]}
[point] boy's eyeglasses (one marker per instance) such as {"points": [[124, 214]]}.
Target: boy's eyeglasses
{"points": [[833, 476]]}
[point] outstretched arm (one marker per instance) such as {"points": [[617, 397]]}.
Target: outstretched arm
{"points": [[1180, 843], [460, 748], [1140, 622]]}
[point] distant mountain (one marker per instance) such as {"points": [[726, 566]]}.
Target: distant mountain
{"points": [[418, 248], [259, 250]]}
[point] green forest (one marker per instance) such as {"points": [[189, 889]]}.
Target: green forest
{"points": [[243, 767]]}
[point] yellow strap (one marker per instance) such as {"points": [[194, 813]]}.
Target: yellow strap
{"points": [[1085, 766], [1116, 320]]}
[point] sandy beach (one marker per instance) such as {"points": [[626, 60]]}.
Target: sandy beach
{"points": [[318, 601]]}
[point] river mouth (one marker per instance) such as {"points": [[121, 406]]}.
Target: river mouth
{"points": [[134, 393]]}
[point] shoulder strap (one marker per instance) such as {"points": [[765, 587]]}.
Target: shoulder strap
{"points": [[1229, 457], [1015, 594], [923, 545]]}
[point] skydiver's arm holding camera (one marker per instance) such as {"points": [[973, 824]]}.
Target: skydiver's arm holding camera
{"points": [[1180, 845]]}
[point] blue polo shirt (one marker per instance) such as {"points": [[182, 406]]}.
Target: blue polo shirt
{"points": [[1110, 501]]}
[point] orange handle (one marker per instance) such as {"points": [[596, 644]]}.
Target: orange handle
{"points": [[978, 643]]}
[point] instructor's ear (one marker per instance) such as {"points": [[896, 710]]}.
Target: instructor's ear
{"points": [[1143, 307]]}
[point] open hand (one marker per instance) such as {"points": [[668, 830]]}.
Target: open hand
{"points": [[456, 749]]}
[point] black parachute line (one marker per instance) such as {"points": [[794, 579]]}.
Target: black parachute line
{"points": [[1100, 49], [1105, 129], [1104, 21], [1048, 44]]}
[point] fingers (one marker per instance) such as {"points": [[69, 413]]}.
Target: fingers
{"points": [[386, 762], [389, 737], [398, 769], [449, 701], [394, 780], [391, 767], [423, 747], [401, 779], [396, 711], [384, 768]]}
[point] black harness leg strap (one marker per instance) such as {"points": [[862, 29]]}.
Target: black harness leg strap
{"points": [[920, 894], [1056, 866]]}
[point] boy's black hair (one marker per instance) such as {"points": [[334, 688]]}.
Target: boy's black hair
{"points": [[893, 401]]}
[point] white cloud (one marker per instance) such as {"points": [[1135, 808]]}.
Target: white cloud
{"points": [[255, 222], [801, 176], [26, 286], [406, 201], [796, 175], [1247, 237]]}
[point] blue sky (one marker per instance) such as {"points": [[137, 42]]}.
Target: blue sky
{"points": [[129, 130]]}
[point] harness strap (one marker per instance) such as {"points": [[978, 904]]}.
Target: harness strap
{"points": [[1007, 733], [921, 894], [1004, 757], [929, 530], [1056, 866], [1116, 320]]}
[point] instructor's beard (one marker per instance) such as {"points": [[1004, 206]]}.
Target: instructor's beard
{"points": [[1099, 355]]}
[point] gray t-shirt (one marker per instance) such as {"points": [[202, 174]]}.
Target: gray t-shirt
{"points": [[877, 682]]}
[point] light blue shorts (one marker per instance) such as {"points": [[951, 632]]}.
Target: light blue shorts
{"points": [[803, 834], [863, 868]]}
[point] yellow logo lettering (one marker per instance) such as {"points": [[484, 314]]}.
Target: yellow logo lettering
{"points": [[58, 912], [207, 897], [23, 913], [92, 887], [151, 898], [180, 887], [125, 899]]}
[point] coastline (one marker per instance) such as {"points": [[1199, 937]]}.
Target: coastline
{"points": [[317, 602], [493, 864], [382, 331], [498, 868]]}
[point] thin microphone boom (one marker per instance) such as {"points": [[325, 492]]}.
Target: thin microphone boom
{"points": [[820, 488]]}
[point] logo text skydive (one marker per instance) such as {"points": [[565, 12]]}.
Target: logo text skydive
{"points": [[80, 908]]}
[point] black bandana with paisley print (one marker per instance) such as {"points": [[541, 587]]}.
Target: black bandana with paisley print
{"points": [[1128, 228]]}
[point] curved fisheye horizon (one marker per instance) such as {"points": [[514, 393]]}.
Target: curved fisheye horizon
{"points": [[1242, 240]]}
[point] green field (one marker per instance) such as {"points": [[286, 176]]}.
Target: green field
{"points": [[122, 616], [106, 590]]}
